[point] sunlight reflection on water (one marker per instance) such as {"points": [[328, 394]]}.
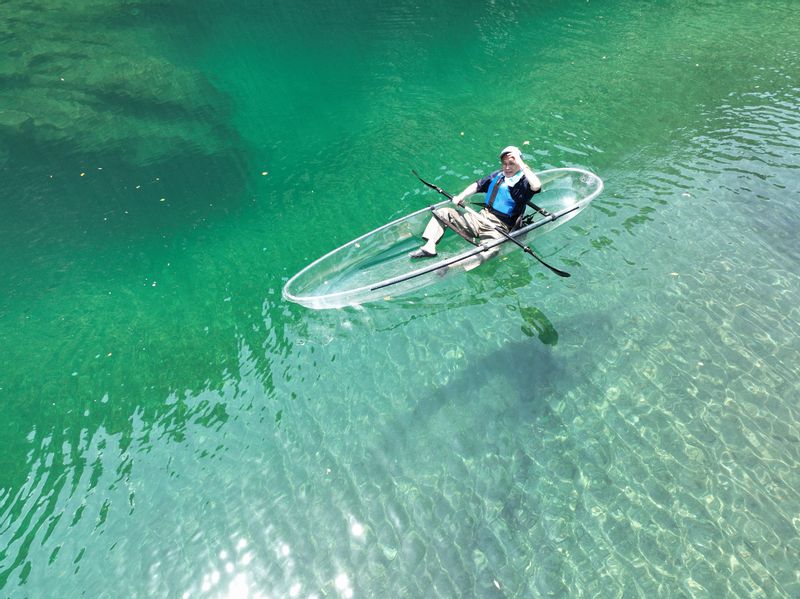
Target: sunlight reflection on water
{"points": [[631, 431]]}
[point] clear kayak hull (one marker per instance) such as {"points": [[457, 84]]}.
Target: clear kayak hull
{"points": [[376, 266]]}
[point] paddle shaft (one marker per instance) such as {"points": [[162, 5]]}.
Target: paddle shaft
{"points": [[525, 248], [432, 186]]}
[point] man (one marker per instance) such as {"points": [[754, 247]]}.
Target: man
{"points": [[507, 191]]}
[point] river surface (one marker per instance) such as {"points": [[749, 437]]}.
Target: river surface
{"points": [[173, 428]]}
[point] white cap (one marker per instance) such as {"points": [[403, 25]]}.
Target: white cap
{"points": [[511, 150]]}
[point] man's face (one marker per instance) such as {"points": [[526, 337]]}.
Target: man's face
{"points": [[510, 165]]}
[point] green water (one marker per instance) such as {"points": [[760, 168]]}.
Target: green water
{"points": [[173, 428]]}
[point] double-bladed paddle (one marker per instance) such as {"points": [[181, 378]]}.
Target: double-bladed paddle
{"points": [[524, 247]]}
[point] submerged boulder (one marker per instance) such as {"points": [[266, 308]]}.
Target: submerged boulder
{"points": [[91, 77]]}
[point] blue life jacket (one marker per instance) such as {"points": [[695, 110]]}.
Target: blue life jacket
{"points": [[500, 200]]}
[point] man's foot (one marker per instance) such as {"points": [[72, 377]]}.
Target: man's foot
{"points": [[421, 253]]}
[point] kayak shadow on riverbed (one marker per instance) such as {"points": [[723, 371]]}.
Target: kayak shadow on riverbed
{"points": [[526, 374], [537, 369]]}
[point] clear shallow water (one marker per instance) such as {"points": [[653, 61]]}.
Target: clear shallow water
{"points": [[172, 427]]}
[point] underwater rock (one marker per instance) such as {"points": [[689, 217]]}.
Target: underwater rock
{"points": [[89, 77], [12, 121]]}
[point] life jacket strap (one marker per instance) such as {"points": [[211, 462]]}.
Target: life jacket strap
{"points": [[495, 189]]}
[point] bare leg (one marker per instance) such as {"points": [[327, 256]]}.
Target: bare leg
{"points": [[432, 234]]}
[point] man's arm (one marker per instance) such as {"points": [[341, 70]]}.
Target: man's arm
{"points": [[533, 180], [470, 190]]}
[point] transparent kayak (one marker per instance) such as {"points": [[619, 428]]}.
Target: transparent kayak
{"points": [[376, 266]]}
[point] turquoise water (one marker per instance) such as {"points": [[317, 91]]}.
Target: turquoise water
{"points": [[174, 428]]}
